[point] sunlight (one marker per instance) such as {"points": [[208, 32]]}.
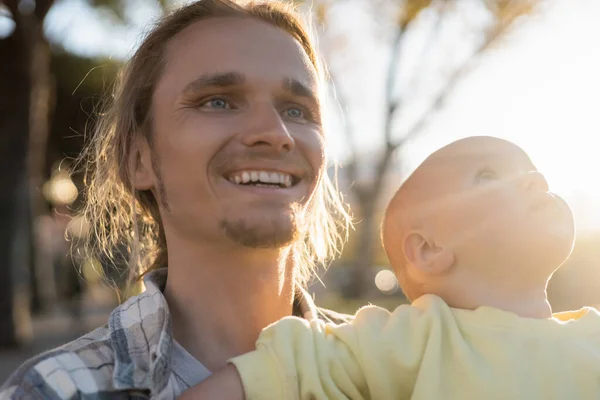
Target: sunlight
{"points": [[572, 173], [539, 91]]}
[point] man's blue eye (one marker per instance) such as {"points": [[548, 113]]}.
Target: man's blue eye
{"points": [[294, 113], [217, 103]]}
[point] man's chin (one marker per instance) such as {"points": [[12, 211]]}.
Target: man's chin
{"points": [[261, 233]]}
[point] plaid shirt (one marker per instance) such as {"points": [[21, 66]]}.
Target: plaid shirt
{"points": [[129, 358]]}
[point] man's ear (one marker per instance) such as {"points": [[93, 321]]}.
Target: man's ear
{"points": [[425, 255], [140, 165]]}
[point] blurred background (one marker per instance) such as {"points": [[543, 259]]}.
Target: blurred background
{"points": [[406, 77]]}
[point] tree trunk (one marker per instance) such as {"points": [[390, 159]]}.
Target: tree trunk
{"points": [[24, 101], [368, 197], [15, 84], [360, 279], [41, 108]]}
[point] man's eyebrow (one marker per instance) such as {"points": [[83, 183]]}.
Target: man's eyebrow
{"points": [[214, 80], [299, 89]]}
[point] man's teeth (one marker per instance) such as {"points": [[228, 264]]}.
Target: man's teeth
{"points": [[278, 178]]}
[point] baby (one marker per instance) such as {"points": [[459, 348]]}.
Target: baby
{"points": [[474, 235]]}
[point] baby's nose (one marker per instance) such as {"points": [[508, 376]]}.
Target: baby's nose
{"points": [[534, 180]]}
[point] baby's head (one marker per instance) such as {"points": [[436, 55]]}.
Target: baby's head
{"points": [[478, 211]]}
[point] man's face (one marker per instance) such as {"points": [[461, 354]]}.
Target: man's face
{"points": [[495, 207], [237, 138]]}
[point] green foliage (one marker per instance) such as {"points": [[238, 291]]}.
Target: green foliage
{"points": [[116, 9], [79, 74], [80, 85]]}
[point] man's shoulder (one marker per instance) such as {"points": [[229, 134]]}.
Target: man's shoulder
{"points": [[84, 365], [112, 361]]}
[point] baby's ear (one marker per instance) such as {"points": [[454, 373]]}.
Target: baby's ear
{"points": [[425, 256]]}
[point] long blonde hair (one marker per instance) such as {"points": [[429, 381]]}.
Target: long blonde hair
{"points": [[123, 218]]}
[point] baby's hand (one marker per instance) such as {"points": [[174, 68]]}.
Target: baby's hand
{"points": [[224, 384]]}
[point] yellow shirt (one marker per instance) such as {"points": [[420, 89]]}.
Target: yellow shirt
{"points": [[427, 351]]}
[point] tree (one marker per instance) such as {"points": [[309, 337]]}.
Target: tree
{"points": [[401, 24], [26, 110], [24, 116]]}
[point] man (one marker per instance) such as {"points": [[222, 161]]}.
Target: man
{"points": [[212, 149]]}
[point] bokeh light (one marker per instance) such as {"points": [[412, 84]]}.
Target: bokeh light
{"points": [[386, 281], [60, 189]]}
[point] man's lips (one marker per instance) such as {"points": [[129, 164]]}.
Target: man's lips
{"points": [[266, 172], [293, 193], [268, 177]]}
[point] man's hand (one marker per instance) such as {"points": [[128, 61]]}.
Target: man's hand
{"points": [[224, 384]]}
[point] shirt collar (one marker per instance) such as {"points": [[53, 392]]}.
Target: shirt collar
{"points": [[141, 338], [141, 335]]}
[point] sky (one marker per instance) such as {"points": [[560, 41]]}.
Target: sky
{"points": [[540, 89], [542, 92]]}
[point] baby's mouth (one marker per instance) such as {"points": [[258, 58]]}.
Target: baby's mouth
{"points": [[543, 202]]}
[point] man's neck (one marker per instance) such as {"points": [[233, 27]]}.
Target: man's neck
{"points": [[221, 299], [524, 300]]}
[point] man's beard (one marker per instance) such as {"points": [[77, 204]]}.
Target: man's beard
{"points": [[271, 232]]}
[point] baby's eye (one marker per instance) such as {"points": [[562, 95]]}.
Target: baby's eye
{"points": [[217, 103], [487, 174]]}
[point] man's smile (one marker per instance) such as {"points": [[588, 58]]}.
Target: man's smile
{"points": [[266, 178]]}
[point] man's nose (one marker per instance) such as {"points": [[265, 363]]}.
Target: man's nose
{"points": [[534, 180], [267, 129]]}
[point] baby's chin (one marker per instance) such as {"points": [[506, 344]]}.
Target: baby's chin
{"points": [[567, 250], [528, 254], [551, 253], [548, 241], [560, 242]]}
